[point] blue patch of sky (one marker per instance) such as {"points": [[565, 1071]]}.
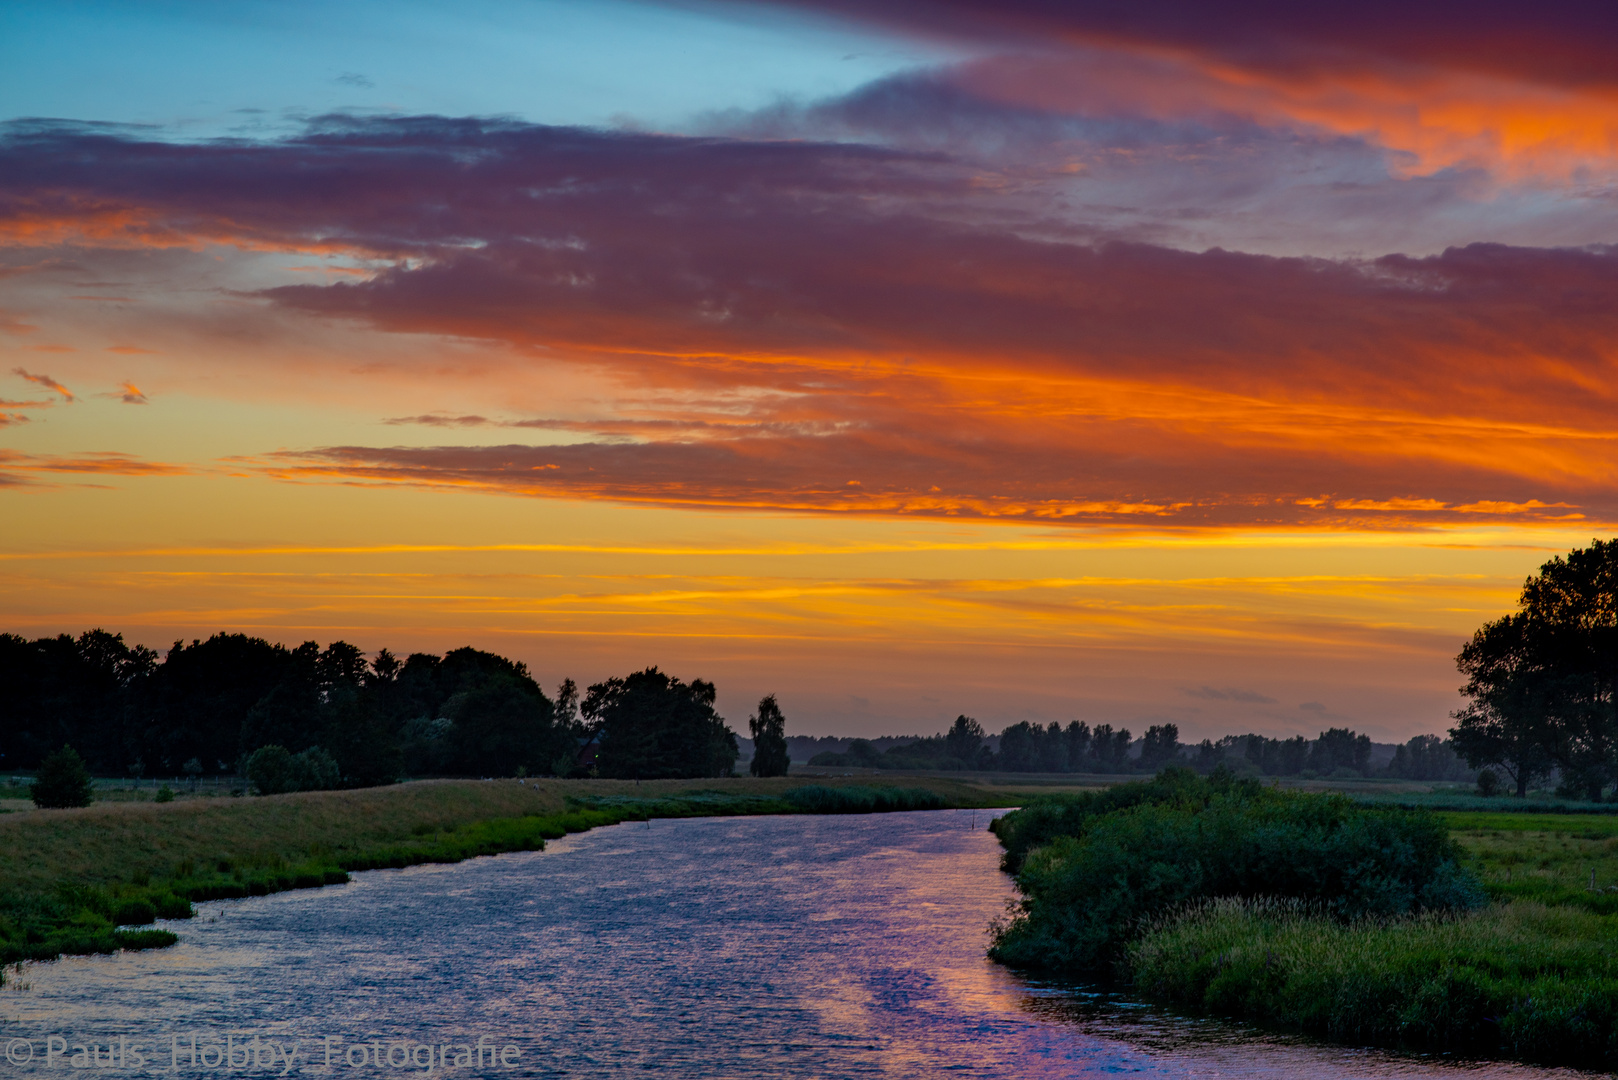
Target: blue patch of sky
{"points": [[200, 69]]}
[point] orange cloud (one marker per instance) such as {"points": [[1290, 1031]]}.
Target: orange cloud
{"points": [[846, 330], [17, 465], [47, 382], [1429, 119], [1524, 93]]}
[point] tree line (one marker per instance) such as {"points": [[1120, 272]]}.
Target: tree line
{"points": [[1079, 748], [309, 716]]}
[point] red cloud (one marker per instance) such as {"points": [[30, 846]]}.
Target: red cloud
{"points": [[786, 318]]}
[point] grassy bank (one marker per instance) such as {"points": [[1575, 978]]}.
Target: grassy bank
{"points": [[83, 881], [1518, 980], [1532, 977]]}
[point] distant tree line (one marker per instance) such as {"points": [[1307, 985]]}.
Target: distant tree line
{"points": [[1543, 681], [1079, 748], [312, 717]]}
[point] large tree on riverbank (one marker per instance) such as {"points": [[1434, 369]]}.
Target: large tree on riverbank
{"points": [[1544, 680]]}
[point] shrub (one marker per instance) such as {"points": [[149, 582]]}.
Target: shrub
{"points": [[270, 770], [274, 770], [1085, 895], [164, 794], [1044, 819], [136, 912], [63, 781], [1488, 782]]}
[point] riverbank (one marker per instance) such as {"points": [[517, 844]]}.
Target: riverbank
{"points": [[84, 880], [1233, 903]]}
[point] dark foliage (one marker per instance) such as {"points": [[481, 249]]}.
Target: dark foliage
{"points": [[1543, 681], [653, 726], [63, 781], [769, 733], [1160, 747], [1427, 757], [208, 706], [1186, 838], [273, 770]]}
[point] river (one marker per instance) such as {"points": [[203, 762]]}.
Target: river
{"points": [[826, 946]]}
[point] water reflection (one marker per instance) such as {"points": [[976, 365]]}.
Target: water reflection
{"points": [[743, 947]]}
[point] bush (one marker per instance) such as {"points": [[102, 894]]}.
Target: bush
{"points": [[1045, 818], [135, 912], [1085, 895], [164, 794], [1488, 783], [63, 781], [274, 770]]}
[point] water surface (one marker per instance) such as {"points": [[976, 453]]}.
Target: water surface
{"points": [[825, 946]]}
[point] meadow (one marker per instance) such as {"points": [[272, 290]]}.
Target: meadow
{"points": [[1532, 976]]}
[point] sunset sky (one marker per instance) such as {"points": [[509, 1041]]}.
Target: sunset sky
{"points": [[1223, 365]]}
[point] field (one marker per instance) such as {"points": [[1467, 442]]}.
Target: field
{"points": [[1561, 859]]}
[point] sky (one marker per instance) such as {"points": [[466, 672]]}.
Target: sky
{"points": [[1035, 361]]}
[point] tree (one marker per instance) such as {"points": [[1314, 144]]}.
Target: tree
{"points": [[1160, 746], [1427, 757], [769, 731], [1078, 746], [1544, 679], [652, 726], [504, 723], [964, 740], [63, 781], [1340, 750], [1019, 747], [1109, 749]]}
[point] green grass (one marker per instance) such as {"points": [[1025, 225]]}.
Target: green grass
{"points": [[1519, 980], [1468, 800], [1564, 860], [78, 881], [1533, 977]]}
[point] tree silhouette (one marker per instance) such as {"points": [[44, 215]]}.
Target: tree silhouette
{"points": [[964, 741], [1159, 746], [769, 731], [653, 725], [1544, 680]]}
